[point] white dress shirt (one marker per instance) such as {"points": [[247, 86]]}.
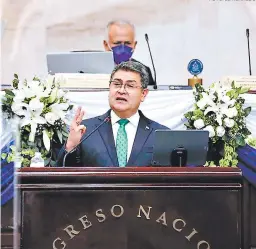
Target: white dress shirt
{"points": [[130, 128]]}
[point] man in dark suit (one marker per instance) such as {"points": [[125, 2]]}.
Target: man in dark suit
{"points": [[120, 38], [125, 137]]}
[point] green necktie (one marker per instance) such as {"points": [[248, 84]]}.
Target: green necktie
{"points": [[122, 143]]}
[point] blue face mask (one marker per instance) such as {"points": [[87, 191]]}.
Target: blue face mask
{"points": [[121, 53]]}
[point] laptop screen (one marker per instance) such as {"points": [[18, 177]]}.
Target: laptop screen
{"points": [[180, 148], [91, 62]]}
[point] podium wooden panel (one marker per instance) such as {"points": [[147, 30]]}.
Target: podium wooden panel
{"points": [[131, 208]]}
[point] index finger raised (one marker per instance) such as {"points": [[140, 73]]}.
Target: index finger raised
{"points": [[78, 111], [80, 118]]}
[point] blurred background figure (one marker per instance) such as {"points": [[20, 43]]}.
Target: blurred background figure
{"points": [[121, 39]]}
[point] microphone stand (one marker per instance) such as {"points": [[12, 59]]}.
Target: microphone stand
{"points": [[152, 61], [249, 52]]}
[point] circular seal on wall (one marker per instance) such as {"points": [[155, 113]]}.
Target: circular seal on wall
{"points": [[195, 67]]}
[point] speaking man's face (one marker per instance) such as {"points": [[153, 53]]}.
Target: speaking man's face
{"points": [[126, 93]]}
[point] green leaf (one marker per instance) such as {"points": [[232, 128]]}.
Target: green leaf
{"points": [[10, 157], [65, 135], [53, 96], [240, 140], [233, 84], [53, 163], [225, 138], [246, 132], [47, 161], [27, 128], [187, 125], [211, 163], [60, 136], [3, 155], [236, 94], [244, 90], [247, 111], [234, 163], [198, 114], [65, 130], [231, 93], [16, 76], [70, 107], [9, 92], [15, 82], [39, 143]]}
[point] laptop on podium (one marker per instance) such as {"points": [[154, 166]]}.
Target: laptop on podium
{"points": [[180, 148], [91, 62]]}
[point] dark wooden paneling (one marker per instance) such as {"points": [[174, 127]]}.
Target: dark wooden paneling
{"points": [[7, 225], [252, 216], [207, 199], [47, 193]]}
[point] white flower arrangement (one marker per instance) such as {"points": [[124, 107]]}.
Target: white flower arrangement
{"points": [[219, 110], [41, 108]]}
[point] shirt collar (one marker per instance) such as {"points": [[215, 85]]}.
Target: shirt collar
{"points": [[134, 119]]}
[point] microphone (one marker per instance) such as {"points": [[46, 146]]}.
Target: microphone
{"points": [[249, 52], [152, 61], [106, 120]]}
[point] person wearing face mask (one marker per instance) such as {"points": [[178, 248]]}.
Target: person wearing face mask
{"points": [[123, 135], [120, 38]]}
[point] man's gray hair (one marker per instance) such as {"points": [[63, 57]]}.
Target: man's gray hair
{"points": [[133, 66], [120, 23]]}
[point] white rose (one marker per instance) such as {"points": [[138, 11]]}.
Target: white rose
{"points": [[51, 117], [36, 105], [199, 123], [234, 111], [211, 130], [33, 88], [229, 122], [33, 83], [225, 99], [201, 103], [220, 131], [19, 96], [19, 108], [231, 112]]}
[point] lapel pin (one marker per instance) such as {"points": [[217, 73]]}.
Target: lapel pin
{"points": [[147, 128]]}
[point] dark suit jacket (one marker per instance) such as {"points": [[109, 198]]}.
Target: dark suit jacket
{"points": [[151, 81], [99, 149]]}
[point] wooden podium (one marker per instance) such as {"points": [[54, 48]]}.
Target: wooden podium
{"points": [[133, 208]]}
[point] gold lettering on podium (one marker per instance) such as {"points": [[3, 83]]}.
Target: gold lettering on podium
{"points": [[117, 211], [162, 218], [117, 215], [146, 214], [175, 222], [191, 235], [62, 243], [201, 243], [85, 222], [100, 215], [71, 231]]}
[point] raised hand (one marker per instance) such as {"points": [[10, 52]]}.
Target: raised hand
{"points": [[76, 130]]}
